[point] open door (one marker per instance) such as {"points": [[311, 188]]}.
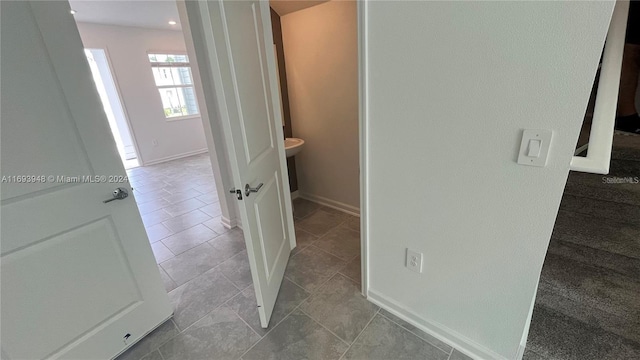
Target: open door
{"points": [[233, 48], [79, 280]]}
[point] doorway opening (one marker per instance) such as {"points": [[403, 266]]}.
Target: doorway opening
{"points": [[108, 92], [316, 49]]}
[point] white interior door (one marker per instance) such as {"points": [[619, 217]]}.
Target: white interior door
{"points": [[233, 47], [79, 280]]}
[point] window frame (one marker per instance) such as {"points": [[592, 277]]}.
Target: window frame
{"points": [[173, 64]]}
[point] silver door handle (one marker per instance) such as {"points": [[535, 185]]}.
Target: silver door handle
{"points": [[118, 194], [248, 189]]}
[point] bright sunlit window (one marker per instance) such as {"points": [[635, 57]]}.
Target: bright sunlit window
{"points": [[172, 74]]}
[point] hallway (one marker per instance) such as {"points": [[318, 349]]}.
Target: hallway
{"points": [[319, 313], [588, 301]]}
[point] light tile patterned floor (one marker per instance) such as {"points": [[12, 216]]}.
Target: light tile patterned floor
{"points": [[319, 313]]}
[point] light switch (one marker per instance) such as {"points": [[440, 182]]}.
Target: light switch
{"points": [[534, 147]]}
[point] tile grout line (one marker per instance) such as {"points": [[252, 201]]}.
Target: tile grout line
{"points": [[192, 324], [241, 319], [411, 332], [337, 272], [326, 252], [270, 330], [158, 347], [326, 328], [215, 267], [317, 321], [361, 332]]}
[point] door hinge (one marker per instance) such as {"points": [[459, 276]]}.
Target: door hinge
{"points": [[238, 193]]}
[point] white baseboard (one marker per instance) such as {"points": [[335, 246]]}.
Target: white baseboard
{"points": [[175, 157], [295, 194], [228, 223], [520, 353], [351, 210], [438, 331]]}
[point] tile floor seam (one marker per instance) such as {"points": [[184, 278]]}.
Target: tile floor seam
{"points": [[299, 249], [200, 318], [165, 271], [428, 342], [158, 347], [326, 252], [197, 276], [309, 214], [360, 334], [270, 330], [246, 287], [305, 231], [278, 323], [165, 245], [240, 317], [326, 328], [225, 276], [322, 284], [286, 277], [350, 278]]}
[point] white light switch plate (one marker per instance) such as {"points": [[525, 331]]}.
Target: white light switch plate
{"points": [[530, 138]]}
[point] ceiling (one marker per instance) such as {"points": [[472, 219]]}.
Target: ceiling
{"points": [[155, 14], [146, 14], [283, 7]]}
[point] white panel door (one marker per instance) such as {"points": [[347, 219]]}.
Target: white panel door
{"points": [[79, 280], [233, 46]]}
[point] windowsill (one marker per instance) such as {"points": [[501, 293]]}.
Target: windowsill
{"points": [[178, 118]]}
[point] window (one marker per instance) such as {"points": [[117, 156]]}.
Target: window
{"points": [[172, 74]]}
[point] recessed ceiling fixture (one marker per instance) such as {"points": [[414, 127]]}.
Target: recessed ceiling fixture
{"points": [[172, 22], [73, 12]]}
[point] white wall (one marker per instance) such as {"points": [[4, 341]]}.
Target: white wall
{"points": [[127, 49], [321, 56], [450, 87]]}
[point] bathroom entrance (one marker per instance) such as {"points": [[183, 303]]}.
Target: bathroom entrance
{"points": [[316, 50]]}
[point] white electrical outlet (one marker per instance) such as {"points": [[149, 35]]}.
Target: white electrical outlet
{"points": [[414, 261]]}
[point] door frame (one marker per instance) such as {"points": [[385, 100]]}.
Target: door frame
{"points": [[125, 112], [363, 106], [217, 146]]}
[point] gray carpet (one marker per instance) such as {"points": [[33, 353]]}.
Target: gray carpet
{"points": [[588, 301]]}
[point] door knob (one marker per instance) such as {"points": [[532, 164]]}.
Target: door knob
{"points": [[118, 194], [248, 189]]}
